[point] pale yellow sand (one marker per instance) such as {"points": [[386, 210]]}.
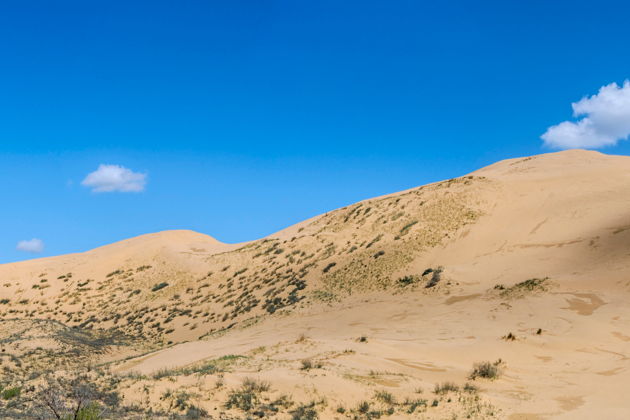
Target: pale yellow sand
{"points": [[562, 216]]}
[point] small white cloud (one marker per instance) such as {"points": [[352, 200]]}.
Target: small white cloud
{"points": [[34, 246], [115, 178], [606, 120]]}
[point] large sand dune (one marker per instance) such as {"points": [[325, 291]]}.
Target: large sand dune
{"points": [[525, 263]]}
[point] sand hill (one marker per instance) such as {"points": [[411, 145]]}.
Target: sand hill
{"points": [[379, 309]]}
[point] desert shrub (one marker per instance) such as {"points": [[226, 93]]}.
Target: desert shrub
{"points": [[470, 388], [255, 385], [379, 254], [412, 405], [405, 229], [10, 393], [509, 337], [4, 301], [406, 280], [305, 412], [195, 412], [363, 407], [74, 398], [180, 400], [308, 364], [247, 397], [92, 411], [375, 240], [436, 276], [328, 267], [159, 286], [530, 285], [485, 370], [385, 397], [445, 387]]}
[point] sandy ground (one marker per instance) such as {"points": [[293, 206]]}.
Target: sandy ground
{"points": [[563, 218]]}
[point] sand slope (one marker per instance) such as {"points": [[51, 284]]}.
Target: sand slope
{"points": [[312, 291]]}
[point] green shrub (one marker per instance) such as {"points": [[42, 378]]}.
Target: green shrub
{"points": [[10, 393], [89, 412]]}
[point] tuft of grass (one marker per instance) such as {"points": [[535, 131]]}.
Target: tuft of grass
{"points": [[10, 393], [159, 286], [328, 267], [519, 289], [113, 273], [407, 280], [445, 387], [247, 397], [486, 370], [308, 364], [363, 407], [412, 405], [405, 229], [211, 367], [385, 397], [531, 284], [305, 412], [470, 388]]}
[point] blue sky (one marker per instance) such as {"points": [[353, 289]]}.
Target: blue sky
{"points": [[244, 117]]}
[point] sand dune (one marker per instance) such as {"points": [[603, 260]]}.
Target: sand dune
{"points": [[525, 263]]}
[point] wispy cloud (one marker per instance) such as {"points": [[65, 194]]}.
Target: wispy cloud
{"points": [[606, 120], [115, 178], [34, 246]]}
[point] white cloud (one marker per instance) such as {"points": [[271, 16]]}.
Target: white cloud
{"points": [[115, 178], [606, 120], [33, 245]]}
